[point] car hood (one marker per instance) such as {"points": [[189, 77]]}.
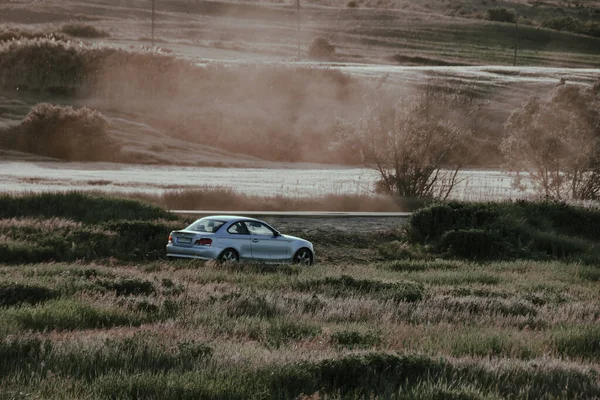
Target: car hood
{"points": [[294, 238]]}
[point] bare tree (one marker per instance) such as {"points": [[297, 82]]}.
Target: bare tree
{"points": [[554, 143], [419, 143]]}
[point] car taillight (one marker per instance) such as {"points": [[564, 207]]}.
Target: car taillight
{"points": [[204, 242], [170, 238]]}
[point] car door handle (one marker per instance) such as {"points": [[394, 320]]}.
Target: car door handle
{"points": [[254, 240]]}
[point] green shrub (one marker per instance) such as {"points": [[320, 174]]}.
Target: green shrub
{"points": [[139, 353], [537, 230], [129, 287], [16, 293], [354, 339], [568, 24], [238, 305], [580, 342], [76, 206], [475, 244], [482, 345], [348, 286], [590, 273], [502, 15], [416, 266], [373, 375], [259, 268], [71, 315], [83, 31], [282, 331], [20, 253], [65, 133]]}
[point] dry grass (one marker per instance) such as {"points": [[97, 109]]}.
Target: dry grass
{"points": [[226, 199]]}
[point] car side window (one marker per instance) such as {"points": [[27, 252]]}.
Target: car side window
{"points": [[238, 229], [257, 228]]}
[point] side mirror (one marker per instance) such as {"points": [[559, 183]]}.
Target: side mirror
{"points": [[276, 234]]}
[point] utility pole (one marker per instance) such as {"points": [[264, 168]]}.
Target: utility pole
{"points": [[517, 40], [298, 30], [153, 24]]}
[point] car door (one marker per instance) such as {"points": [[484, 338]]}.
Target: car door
{"points": [[238, 237], [266, 245]]}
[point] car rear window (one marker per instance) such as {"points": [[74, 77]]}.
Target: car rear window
{"points": [[206, 225]]}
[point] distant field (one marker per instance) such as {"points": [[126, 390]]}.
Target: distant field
{"points": [[437, 32]]}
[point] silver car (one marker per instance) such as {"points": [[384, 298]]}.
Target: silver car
{"points": [[233, 238]]}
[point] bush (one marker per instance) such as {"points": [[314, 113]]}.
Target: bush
{"points": [[15, 293], [19, 253], [537, 230], [581, 342], [83, 31], [129, 287], [568, 24], [238, 305], [473, 244], [281, 332], [349, 286], [64, 133], [77, 206], [321, 49], [353, 339], [502, 15], [128, 355], [72, 315]]}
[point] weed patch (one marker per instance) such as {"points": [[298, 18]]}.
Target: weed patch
{"points": [[355, 340], [238, 305], [282, 331], [71, 315], [345, 286], [580, 342], [129, 287], [12, 294]]}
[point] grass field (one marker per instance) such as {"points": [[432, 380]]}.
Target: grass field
{"points": [[376, 317]]}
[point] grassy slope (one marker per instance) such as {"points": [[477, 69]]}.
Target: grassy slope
{"points": [[355, 324], [426, 35], [436, 31]]}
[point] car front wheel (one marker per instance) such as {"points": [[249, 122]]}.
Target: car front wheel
{"points": [[303, 257]]}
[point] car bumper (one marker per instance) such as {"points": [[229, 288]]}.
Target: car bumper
{"points": [[202, 253]]}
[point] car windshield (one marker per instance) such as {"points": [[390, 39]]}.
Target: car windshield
{"points": [[206, 225]]}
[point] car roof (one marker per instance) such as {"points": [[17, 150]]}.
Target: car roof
{"points": [[230, 218]]}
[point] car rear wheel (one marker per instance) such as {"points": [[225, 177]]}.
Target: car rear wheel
{"points": [[229, 255], [303, 257]]}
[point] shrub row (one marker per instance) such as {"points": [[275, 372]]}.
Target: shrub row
{"points": [[77, 206], [373, 375], [39, 357], [349, 286], [537, 230]]}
